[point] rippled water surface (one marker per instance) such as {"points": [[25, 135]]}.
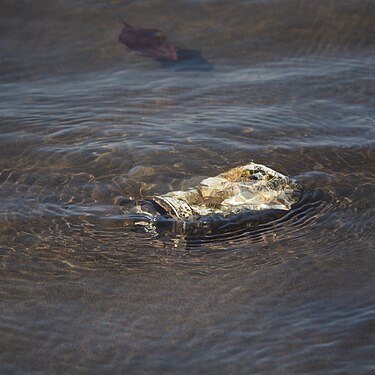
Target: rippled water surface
{"points": [[86, 125]]}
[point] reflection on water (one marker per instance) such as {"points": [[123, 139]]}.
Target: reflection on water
{"points": [[86, 127]]}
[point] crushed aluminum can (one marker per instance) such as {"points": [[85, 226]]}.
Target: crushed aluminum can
{"points": [[252, 187]]}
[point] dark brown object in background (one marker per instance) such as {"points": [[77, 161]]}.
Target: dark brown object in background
{"points": [[148, 42]]}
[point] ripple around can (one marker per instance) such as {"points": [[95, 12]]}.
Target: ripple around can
{"points": [[82, 231]]}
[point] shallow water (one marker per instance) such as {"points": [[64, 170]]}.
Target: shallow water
{"points": [[84, 123]]}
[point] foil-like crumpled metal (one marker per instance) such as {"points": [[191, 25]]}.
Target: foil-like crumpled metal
{"points": [[252, 187]]}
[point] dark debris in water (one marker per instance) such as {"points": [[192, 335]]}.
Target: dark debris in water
{"points": [[153, 43]]}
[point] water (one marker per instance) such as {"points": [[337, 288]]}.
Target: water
{"points": [[83, 123]]}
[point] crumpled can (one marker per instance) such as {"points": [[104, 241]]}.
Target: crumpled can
{"points": [[252, 187]]}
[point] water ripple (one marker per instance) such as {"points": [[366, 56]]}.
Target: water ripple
{"points": [[75, 219]]}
